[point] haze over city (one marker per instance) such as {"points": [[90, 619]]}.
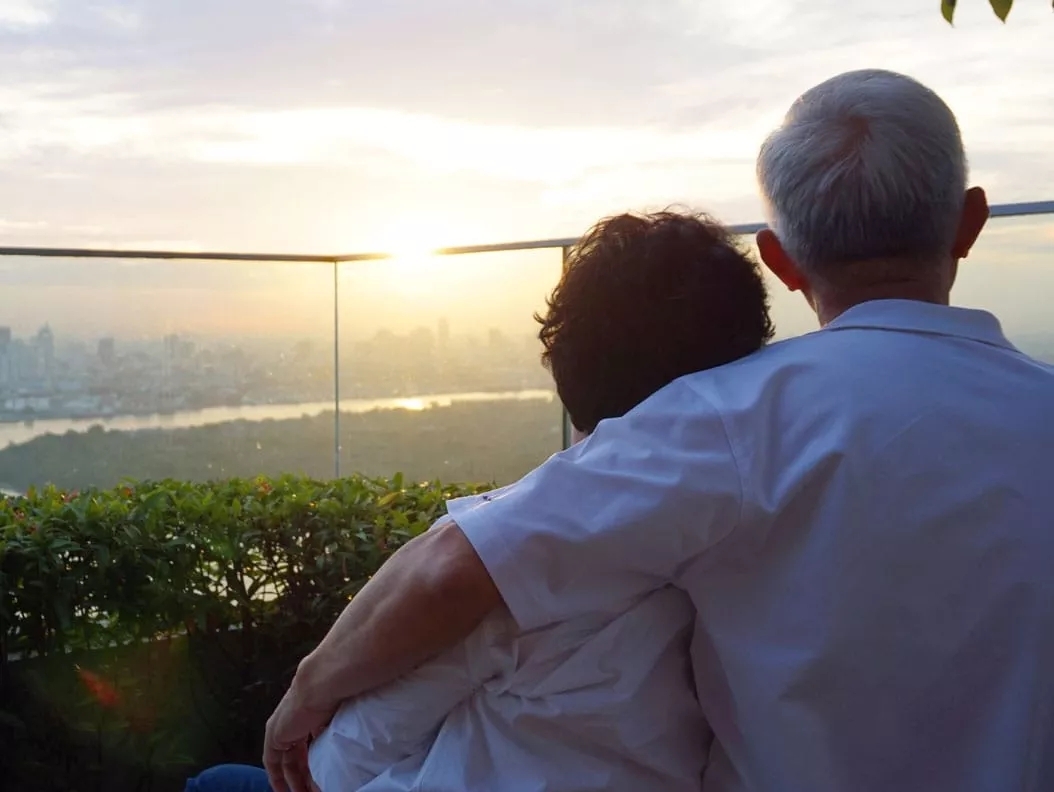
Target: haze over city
{"points": [[336, 126], [328, 126], [241, 383]]}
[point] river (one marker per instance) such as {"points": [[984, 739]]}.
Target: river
{"points": [[17, 433]]}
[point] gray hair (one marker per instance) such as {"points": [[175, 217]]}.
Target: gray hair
{"points": [[868, 165]]}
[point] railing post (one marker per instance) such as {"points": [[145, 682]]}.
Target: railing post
{"points": [[336, 369], [565, 423]]}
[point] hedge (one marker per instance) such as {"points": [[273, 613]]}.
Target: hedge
{"points": [[147, 631]]}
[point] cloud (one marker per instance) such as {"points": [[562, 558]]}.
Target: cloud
{"points": [[25, 14], [110, 126], [127, 20], [288, 124], [7, 225]]}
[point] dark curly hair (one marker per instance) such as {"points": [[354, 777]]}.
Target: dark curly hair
{"points": [[645, 299]]}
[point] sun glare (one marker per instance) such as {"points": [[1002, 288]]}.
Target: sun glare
{"points": [[410, 250], [416, 237], [412, 274], [413, 269]]}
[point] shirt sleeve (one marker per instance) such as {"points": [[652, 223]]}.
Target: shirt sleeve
{"points": [[374, 731], [613, 518]]}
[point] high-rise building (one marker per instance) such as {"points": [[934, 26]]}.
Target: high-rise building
{"points": [[107, 351], [7, 358], [46, 346], [171, 343]]}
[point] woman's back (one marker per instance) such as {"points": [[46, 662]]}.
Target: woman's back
{"points": [[608, 702]]}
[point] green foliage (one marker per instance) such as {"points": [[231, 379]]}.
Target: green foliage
{"points": [[486, 441], [147, 631], [1001, 8]]}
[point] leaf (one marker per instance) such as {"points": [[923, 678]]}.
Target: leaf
{"points": [[145, 558], [1001, 8], [948, 10]]}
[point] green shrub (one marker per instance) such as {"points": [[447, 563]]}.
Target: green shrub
{"points": [[147, 631]]}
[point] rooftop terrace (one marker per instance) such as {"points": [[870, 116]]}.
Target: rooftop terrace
{"points": [[147, 630], [208, 364]]}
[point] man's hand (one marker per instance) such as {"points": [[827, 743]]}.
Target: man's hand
{"points": [[429, 595], [289, 730]]}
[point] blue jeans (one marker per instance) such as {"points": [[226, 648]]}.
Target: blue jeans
{"points": [[230, 778]]}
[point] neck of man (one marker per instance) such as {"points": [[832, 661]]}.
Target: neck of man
{"points": [[888, 281]]}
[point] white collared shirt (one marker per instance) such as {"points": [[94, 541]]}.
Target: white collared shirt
{"points": [[596, 703], [863, 518]]}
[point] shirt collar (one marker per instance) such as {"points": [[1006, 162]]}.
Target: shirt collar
{"points": [[914, 316]]}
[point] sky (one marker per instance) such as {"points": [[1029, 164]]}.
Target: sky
{"points": [[338, 126]]}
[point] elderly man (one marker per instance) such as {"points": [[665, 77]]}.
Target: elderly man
{"points": [[863, 517]]}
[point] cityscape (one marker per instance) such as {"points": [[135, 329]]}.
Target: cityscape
{"points": [[44, 376], [270, 273], [48, 377]]}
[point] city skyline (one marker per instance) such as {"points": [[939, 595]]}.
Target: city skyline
{"points": [[45, 376], [136, 341], [330, 126], [1008, 272]]}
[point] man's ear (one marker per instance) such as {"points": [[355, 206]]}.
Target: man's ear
{"points": [[973, 218], [779, 263]]}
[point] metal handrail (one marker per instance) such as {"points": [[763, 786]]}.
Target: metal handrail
{"points": [[335, 260], [1024, 209]]}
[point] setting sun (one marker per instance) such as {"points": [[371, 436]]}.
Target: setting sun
{"points": [[414, 272], [417, 236]]}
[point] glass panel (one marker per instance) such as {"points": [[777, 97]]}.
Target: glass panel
{"points": [[1009, 272], [440, 371], [790, 313], [113, 369]]}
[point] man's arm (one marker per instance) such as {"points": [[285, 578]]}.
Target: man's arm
{"points": [[589, 531], [430, 594], [380, 728]]}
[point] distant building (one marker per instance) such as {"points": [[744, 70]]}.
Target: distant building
{"points": [[107, 351], [176, 349], [7, 359], [171, 343], [45, 344]]}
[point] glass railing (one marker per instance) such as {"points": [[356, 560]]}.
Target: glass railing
{"points": [[147, 365], [452, 343], [122, 368], [1009, 272]]}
